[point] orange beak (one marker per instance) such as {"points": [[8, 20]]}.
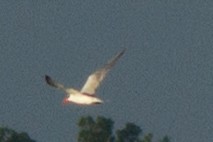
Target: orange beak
{"points": [[65, 101]]}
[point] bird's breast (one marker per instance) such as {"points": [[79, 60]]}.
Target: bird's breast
{"points": [[84, 99]]}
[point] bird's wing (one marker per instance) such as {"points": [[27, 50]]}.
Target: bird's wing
{"points": [[57, 85], [53, 83], [94, 80]]}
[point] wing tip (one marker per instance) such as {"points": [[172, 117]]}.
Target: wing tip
{"points": [[122, 52], [48, 79]]}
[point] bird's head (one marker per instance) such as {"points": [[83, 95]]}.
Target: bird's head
{"points": [[65, 101]]}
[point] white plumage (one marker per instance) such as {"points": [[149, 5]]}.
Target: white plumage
{"points": [[86, 96]]}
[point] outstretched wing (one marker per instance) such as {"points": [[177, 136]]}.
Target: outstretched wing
{"points": [[53, 83], [95, 78]]}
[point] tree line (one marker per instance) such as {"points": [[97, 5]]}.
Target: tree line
{"points": [[92, 130], [101, 130]]}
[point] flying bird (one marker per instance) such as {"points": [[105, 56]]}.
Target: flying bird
{"points": [[87, 95]]}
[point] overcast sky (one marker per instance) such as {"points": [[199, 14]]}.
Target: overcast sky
{"points": [[163, 83]]}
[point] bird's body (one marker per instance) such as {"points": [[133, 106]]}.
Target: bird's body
{"points": [[86, 96], [83, 99]]}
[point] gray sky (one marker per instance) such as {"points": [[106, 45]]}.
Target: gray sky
{"points": [[164, 82]]}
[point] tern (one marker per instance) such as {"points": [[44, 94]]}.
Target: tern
{"points": [[86, 95]]}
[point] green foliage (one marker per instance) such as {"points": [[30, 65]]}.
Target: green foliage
{"points": [[9, 135], [147, 138], [95, 131], [130, 133], [101, 130], [165, 139]]}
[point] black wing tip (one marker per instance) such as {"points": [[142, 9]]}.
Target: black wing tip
{"points": [[48, 79], [121, 52]]}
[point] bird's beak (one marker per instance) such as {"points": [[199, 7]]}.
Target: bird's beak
{"points": [[65, 101]]}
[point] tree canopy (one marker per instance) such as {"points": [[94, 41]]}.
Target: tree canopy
{"points": [[101, 130], [130, 133], [9, 135], [90, 130]]}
